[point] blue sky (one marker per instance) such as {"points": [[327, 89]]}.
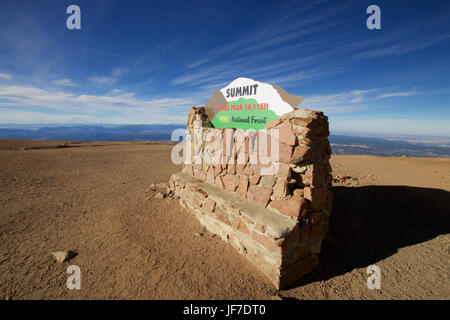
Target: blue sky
{"points": [[149, 61]]}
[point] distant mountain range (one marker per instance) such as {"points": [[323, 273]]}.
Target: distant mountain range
{"points": [[156, 132], [340, 144]]}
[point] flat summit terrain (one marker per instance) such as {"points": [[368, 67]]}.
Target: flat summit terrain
{"points": [[94, 200]]}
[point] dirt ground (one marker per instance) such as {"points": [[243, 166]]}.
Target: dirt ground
{"points": [[91, 198]]}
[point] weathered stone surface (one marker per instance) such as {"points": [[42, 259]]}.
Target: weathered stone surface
{"points": [[317, 196], [240, 168], [316, 131], [240, 225], [256, 169], [297, 270], [199, 193], [304, 122], [242, 156], [286, 133], [316, 217], [219, 183], [285, 152], [217, 170], [247, 220], [230, 182], [277, 221], [297, 238], [308, 193], [189, 169], [263, 240], [243, 186], [300, 154], [302, 113], [248, 171], [198, 202], [295, 206], [233, 209], [199, 174], [259, 194], [307, 178], [231, 169], [318, 231], [260, 227], [254, 179], [294, 253], [273, 123], [210, 175], [222, 216], [280, 188], [209, 205], [267, 181], [276, 225], [284, 171]]}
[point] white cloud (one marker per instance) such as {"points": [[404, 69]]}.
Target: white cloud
{"points": [[404, 46], [21, 95], [338, 103], [302, 75], [37, 117], [125, 105], [104, 80], [116, 73], [5, 76], [32, 117], [397, 94], [64, 82], [432, 127]]}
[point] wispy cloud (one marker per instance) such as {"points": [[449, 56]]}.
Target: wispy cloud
{"points": [[319, 47], [34, 117], [268, 51], [350, 96], [383, 126], [118, 106], [103, 80], [109, 80], [343, 102], [403, 47], [397, 94], [294, 24], [64, 82], [5, 76], [30, 96], [303, 75]]}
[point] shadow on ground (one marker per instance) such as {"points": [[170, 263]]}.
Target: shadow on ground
{"points": [[371, 223]]}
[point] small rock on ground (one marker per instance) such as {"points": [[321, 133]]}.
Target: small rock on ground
{"points": [[61, 256], [159, 195]]}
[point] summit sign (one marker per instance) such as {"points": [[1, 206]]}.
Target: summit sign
{"points": [[248, 104]]}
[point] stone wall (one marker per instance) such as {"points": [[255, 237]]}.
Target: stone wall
{"points": [[272, 205]]}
